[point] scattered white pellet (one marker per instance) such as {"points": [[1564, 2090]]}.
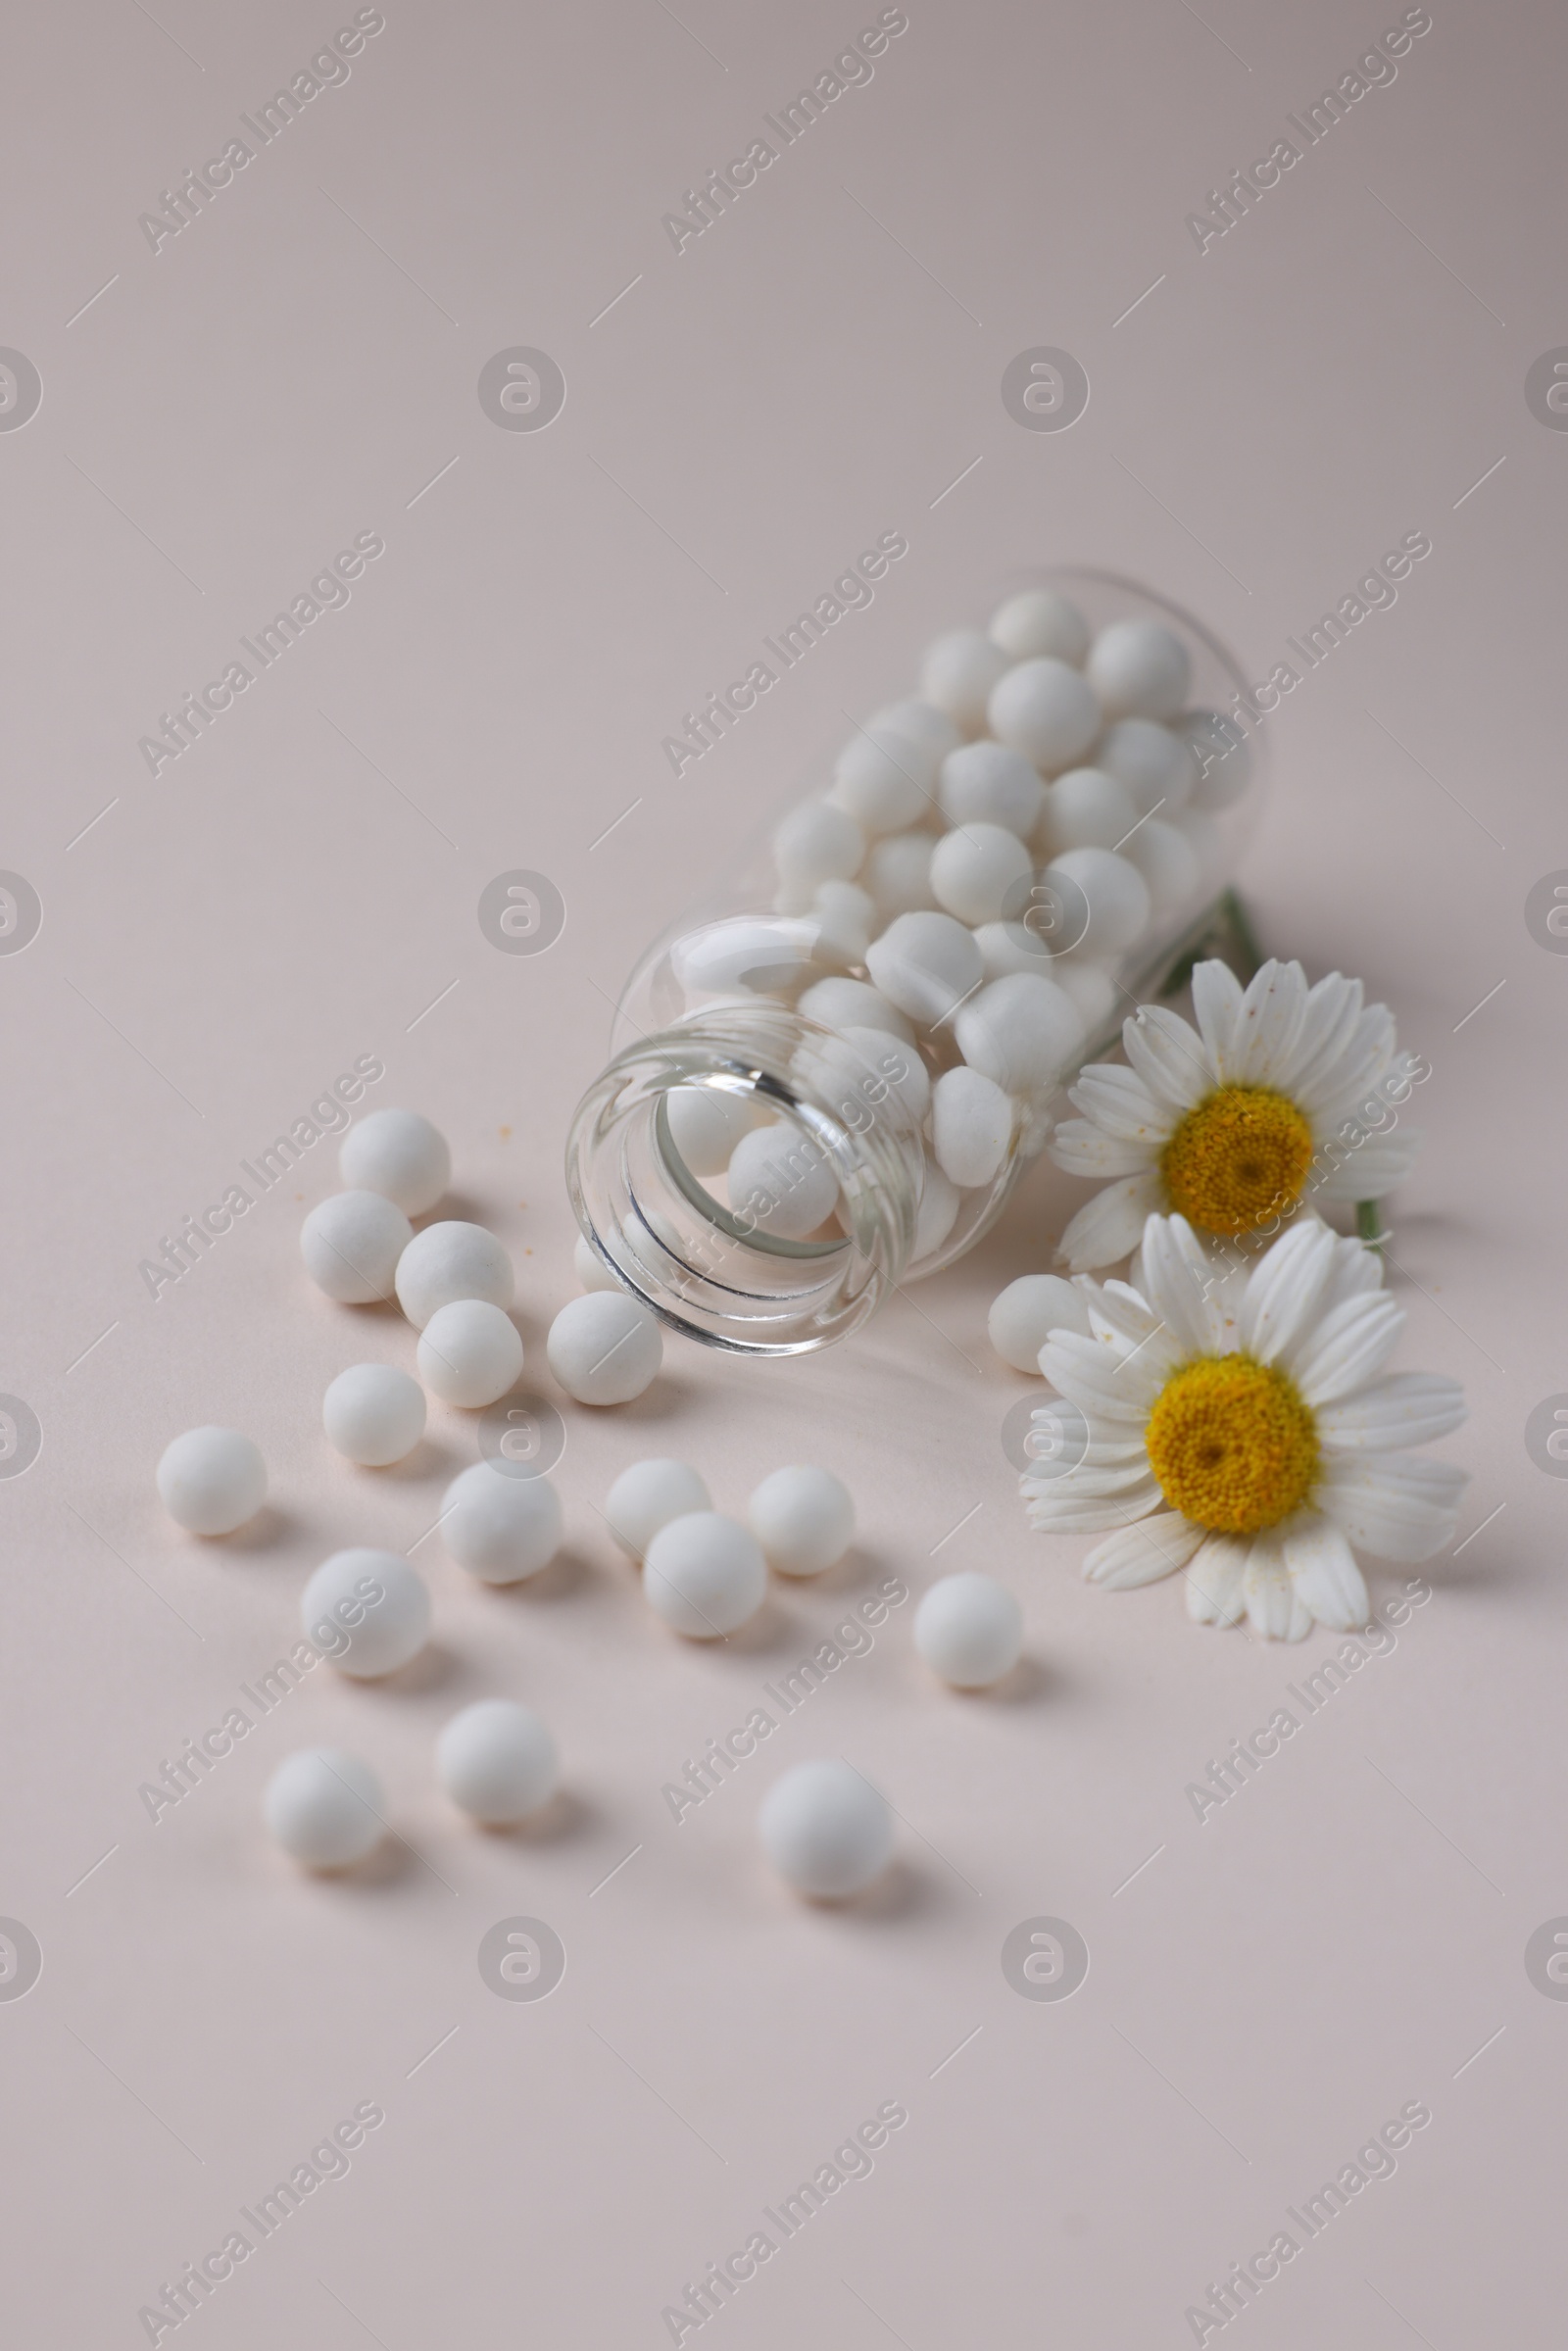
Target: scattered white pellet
{"points": [[841, 1003], [1104, 896], [451, 1261], [927, 964], [745, 950], [1048, 711], [705, 1122], [1023, 1029], [845, 913], [1039, 621], [974, 868], [971, 1127], [211, 1481], [804, 1518], [374, 1415], [781, 1181], [705, 1575], [1140, 670], [923, 722], [400, 1154], [470, 1354], [826, 1829], [894, 1065], [496, 1761], [1155, 765], [1023, 1316], [936, 1215], [991, 783], [1092, 989], [896, 874], [958, 673], [1008, 946], [324, 1807], [1087, 809], [884, 778], [969, 1630], [368, 1611], [590, 1267], [352, 1243], [819, 842], [500, 1527], [1167, 861], [605, 1349], [647, 1497]]}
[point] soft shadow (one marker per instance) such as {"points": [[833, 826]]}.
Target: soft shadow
{"points": [[387, 1863], [434, 1668], [901, 1892], [1027, 1684], [267, 1530], [557, 1580], [431, 1457], [566, 1815]]}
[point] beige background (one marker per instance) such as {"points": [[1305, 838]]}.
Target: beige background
{"points": [[296, 367]]}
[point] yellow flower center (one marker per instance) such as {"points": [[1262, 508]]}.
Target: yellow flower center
{"points": [[1238, 1157], [1232, 1443]]}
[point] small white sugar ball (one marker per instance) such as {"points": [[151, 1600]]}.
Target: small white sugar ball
{"points": [[211, 1481], [936, 1215], [846, 916], [840, 1003], [1168, 862], [1105, 898], [926, 963], [884, 778], [1024, 1316], [804, 1518], [1219, 755], [448, 1262], [398, 1153], [470, 1354], [501, 1528], [969, 1630], [605, 1349], [1140, 670], [1155, 764], [590, 1267], [496, 1761], [324, 1807], [1086, 809], [368, 1611], [647, 1497], [1091, 987], [705, 1122], [819, 842], [971, 1127], [1207, 843], [1022, 1031], [990, 783], [826, 1829], [858, 1070], [898, 873], [923, 722], [374, 1415], [705, 1575], [896, 1064], [752, 951], [351, 1244], [1008, 946], [1048, 711], [1041, 621], [957, 674], [782, 1180], [974, 868]]}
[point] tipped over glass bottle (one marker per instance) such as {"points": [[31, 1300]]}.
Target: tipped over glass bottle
{"points": [[826, 1081]]}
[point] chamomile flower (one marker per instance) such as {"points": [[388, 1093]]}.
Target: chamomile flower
{"points": [[1245, 1433], [1281, 1092]]}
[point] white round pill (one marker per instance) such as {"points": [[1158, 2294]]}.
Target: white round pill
{"points": [[819, 842], [882, 1060], [1104, 899], [1220, 757], [1041, 621], [1168, 862], [1022, 1031], [969, 1630], [470, 1354], [211, 1481], [500, 1527], [804, 1518], [1155, 765], [1023, 1316], [1091, 987], [991, 783], [647, 1497], [368, 1611], [1086, 809], [971, 1127], [448, 1262], [896, 874], [1008, 946], [926, 963], [958, 673], [841, 1003], [826, 1829], [324, 1807], [374, 1415], [1140, 670], [705, 1575], [974, 868], [781, 1181], [398, 1153], [884, 778], [936, 1215], [845, 913], [496, 1761], [351, 1242], [1048, 711], [590, 1267], [923, 722], [605, 1349], [704, 1125]]}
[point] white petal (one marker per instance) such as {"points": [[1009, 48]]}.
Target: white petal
{"points": [[1348, 1346], [1142, 1554], [1357, 1272], [1118, 1100], [1267, 1026], [1328, 1026], [1100, 1377], [1107, 1227], [1327, 1580], [1281, 1298], [1267, 1587], [1086, 1149], [1373, 1169], [1049, 1516], [1334, 1092], [1217, 1003], [1394, 1505], [1170, 1057], [1215, 1582], [1179, 1284], [1401, 1408]]}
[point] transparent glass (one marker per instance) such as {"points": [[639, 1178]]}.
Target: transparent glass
{"points": [[766, 1157]]}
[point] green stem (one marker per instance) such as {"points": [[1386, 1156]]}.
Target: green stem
{"points": [[1369, 1223]]}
